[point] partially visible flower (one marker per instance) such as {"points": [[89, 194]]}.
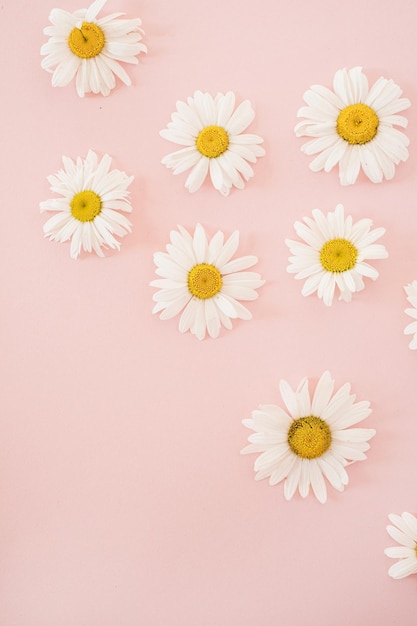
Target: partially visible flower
{"points": [[90, 49], [310, 441], [88, 210], [334, 254], [411, 329], [200, 278], [212, 135], [353, 126], [403, 532]]}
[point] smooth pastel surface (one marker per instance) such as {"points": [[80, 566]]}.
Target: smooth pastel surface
{"points": [[124, 498]]}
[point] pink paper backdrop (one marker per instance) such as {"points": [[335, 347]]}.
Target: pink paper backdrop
{"points": [[124, 499]]}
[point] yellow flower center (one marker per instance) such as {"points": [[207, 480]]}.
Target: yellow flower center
{"points": [[212, 141], [85, 206], [309, 437], [338, 255], [86, 42], [204, 281], [357, 123]]}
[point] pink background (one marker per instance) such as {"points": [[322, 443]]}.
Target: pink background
{"points": [[124, 499]]}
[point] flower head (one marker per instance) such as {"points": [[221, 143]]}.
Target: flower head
{"points": [[353, 126], [411, 329], [403, 532], [211, 134], [310, 441], [88, 210], [333, 254], [200, 279], [90, 49]]}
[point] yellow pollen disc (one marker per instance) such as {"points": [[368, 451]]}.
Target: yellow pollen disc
{"points": [[357, 124], [309, 437], [212, 141], [85, 206], [86, 42], [338, 255], [204, 281]]}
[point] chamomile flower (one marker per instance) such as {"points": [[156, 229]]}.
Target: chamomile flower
{"points": [[404, 532], [411, 329], [353, 126], [333, 254], [213, 139], [91, 49], [200, 278], [87, 212], [311, 440]]}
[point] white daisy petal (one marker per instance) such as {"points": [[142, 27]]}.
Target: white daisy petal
{"points": [[199, 326], [194, 282], [241, 312], [225, 305], [332, 475], [317, 481], [172, 309], [400, 537], [197, 175], [230, 173], [227, 251], [292, 481], [241, 118], [212, 318], [188, 315], [311, 284], [399, 552], [411, 291], [94, 59], [304, 482], [236, 265], [283, 469], [290, 398], [225, 109], [403, 529], [305, 449], [200, 244], [213, 133], [326, 288], [353, 127], [407, 523], [334, 254], [322, 394], [86, 213], [403, 568], [217, 176]]}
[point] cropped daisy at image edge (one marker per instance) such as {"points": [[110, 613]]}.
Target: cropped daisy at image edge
{"points": [[411, 328], [353, 126], [88, 209], [211, 133], [309, 440], [200, 279], [91, 49], [334, 254], [403, 529]]}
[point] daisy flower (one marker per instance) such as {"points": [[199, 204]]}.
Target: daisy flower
{"points": [[353, 126], [403, 532], [311, 440], [90, 49], [333, 254], [212, 135], [88, 210], [411, 329], [200, 278]]}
